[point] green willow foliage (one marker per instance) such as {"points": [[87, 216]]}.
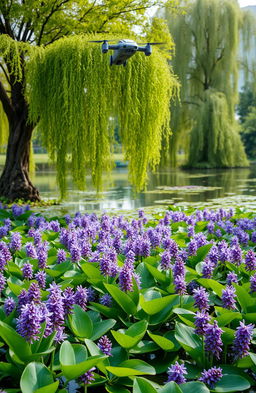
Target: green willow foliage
{"points": [[206, 41], [73, 93]]}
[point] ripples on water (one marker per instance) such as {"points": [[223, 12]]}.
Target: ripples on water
{"points": [[210, 188]]}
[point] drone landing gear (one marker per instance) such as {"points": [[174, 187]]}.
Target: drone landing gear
{"points": [[111, 60]]}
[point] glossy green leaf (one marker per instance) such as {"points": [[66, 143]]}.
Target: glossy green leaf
{"points": [[158, 276], [116, 389], [141, 385], [194, 387], [124, 301], [154, 306], [132, 367], [129, 338], [201, 253], [162, 342], [17, 343], [170, 387], [100, 328], [244, 298], [36, 378], [94, 351], [212, 284], [226, 318], [80, 323], [190, 341], [74, 361], [231, 383]]}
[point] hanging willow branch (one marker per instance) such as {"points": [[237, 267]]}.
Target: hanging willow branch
{"points": [[73, 92]]}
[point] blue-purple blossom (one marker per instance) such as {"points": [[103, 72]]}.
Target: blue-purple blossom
{"points": [[165, 262], [27, 271], [88, 377], [212, 376], [68, 299], [61, 255], [80, 297], [91, 294], [232, 278], [236, 255], [3, 262], [42, 255], [228, 297], [105, 345], [201, 298], [9, 305], [106, 300], [22, 299], [213, 342], [180, 285], [15, 243], [253, 283], [34, 293], [207, 268], [55, 305], [243, 337], [28, 323], [202, 320], [250, 261], [2, 282], [125, 278], [176, 373], [178, 268], [41, 279], [30, 250]]}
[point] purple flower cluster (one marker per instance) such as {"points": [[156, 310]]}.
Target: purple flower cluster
{"points": [[228, 297], [105, 345], [213, 342], [176, 373], [212, 376], [201, 298], [243, 337]]}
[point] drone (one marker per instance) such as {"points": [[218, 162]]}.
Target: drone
{"points": [[125, 49]]}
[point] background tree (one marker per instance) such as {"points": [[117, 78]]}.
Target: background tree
{"points": [[24, 28], [206, 39]]}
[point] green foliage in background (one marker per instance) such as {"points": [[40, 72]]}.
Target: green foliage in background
{"points": [[73, 92], [206, 39]]}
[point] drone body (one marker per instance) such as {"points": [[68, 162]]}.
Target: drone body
{"points": [[125, 49]]}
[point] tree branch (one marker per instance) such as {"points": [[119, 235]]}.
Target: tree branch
{"points": [[5, 73], [6, 102]]}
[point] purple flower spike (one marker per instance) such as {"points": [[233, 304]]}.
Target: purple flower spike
{"points": [[232, 278], [68, 300], [55, 305], [30, 250], [34, 293], [28, 324], [106, 300], [105, 345], [41, 279], [201, 298], [179, 267], [202, 320], [27, 271], [176, 373], [212, 376], [180, 285], [228, 297], [253, 283], [125, 278], [243, 337], [165, 263], [2, 282], [213, 342], [15, 243], [61, 256], [9, 305], [81, 297], [250, 261], [207, 269], [88, 377]]}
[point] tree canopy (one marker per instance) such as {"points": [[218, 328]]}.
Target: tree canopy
{"points": [[66, 89], [206, 39]]}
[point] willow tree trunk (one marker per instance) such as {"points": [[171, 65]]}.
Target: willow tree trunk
{"points": [[14, 181]]}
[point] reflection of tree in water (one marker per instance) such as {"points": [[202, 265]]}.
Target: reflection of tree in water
{"points": [[225, 181]]}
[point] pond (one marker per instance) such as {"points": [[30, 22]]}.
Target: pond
{"points": [[210, 188]]}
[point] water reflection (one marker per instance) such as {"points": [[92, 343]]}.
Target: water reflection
{"points": [[226, 187]]}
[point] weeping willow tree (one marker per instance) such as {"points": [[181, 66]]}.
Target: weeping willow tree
{"points": [[206, 39], [27, 30]]}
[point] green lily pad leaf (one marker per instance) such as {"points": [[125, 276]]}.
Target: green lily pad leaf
{"points": [[36, 378], [194, 387], [100, 328], [162, 342], [132, 367], [170, 387], [16, 343], [154, 306], [231, 383], [141, 385], [80, 322], [124, 300], [132, 336], [74, 360]]}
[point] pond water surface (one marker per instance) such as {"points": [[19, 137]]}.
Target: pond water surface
{"points": [[210, 188]]}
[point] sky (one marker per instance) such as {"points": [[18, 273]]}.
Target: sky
{"points": [[244, 3]]}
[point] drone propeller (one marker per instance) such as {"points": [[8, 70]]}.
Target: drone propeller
{"points": [[103, 41], [152, 43]]}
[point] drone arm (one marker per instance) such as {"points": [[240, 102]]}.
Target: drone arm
{"points": [[114, 47], [141, 48]]}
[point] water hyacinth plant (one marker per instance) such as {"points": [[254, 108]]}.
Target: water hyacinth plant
{"points": [[144, 305]]}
